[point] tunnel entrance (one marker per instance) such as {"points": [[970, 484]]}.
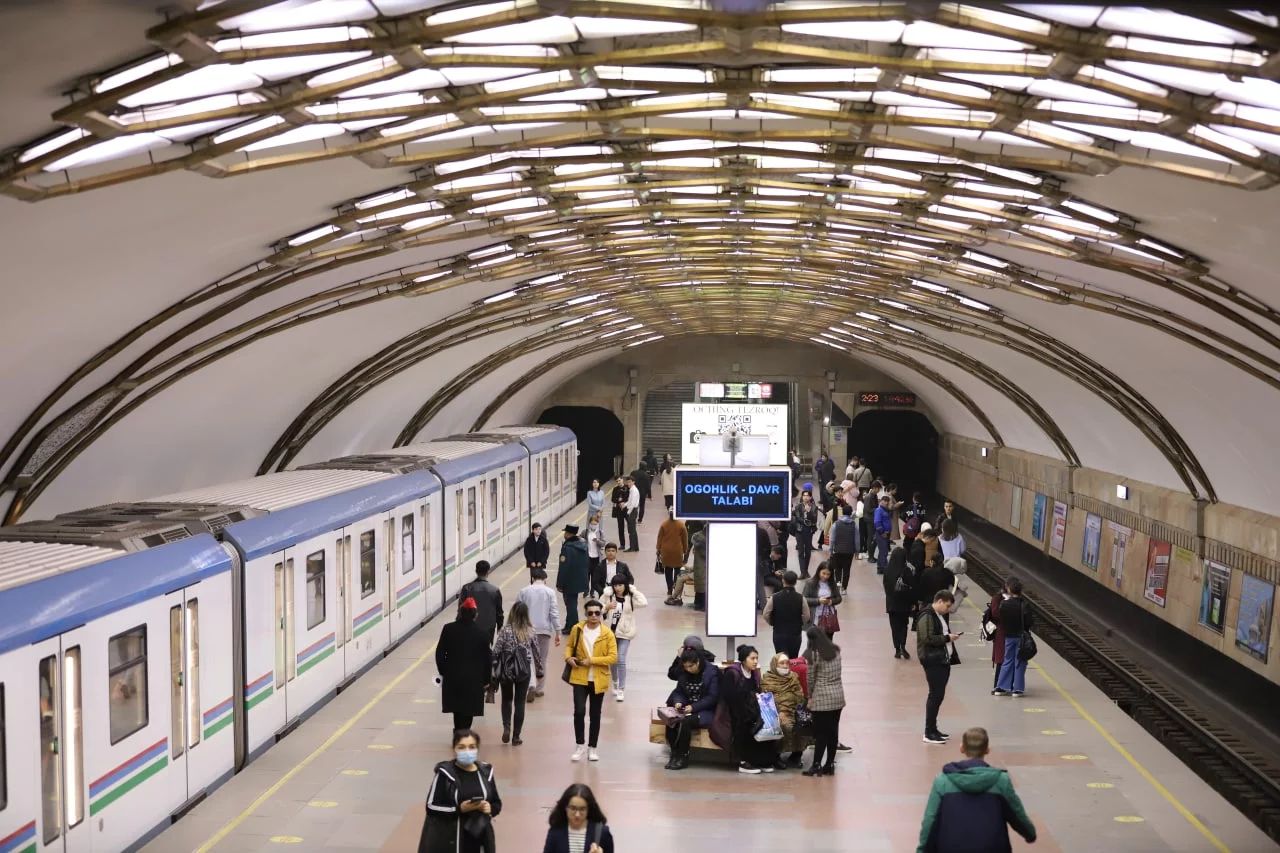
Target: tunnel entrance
{"points": [[599, 435], [901, 447]]}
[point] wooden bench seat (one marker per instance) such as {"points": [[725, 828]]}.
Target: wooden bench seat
{"points": [[658, 734]]}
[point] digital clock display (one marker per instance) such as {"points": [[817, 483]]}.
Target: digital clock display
{"points": [[886, 398]]}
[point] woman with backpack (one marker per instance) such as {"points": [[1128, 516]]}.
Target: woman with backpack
{"points": [[620, 604], [516, 659]]}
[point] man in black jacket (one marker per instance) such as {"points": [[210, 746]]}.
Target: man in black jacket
{"points": [[788, 612], [844, 544], [768, 576], [488, 600]]}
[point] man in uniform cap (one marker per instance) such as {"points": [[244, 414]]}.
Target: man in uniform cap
{"points": [[574, 575]]}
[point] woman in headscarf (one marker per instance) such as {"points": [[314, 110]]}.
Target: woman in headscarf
{"points": [[787, 695]]}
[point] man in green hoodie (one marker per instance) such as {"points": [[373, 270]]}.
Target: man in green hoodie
{"points": [[971, 804]]}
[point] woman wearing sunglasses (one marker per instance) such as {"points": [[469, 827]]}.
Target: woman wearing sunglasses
{"points": [[591, 650]]}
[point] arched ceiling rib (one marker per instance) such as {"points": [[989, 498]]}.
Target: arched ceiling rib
{"points": [[692, 168]]}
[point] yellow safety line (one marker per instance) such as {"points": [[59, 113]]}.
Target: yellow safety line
{"points": [[331, 740], [1126, 755]]}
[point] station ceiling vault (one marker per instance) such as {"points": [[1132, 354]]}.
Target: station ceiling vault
{"points": [[314, 226]]}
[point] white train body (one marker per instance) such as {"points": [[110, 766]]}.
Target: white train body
{"points": [[132, 683]]}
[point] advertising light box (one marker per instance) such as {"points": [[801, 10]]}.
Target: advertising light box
{"points": [[713, 419], [731, 580], [734, 494]]}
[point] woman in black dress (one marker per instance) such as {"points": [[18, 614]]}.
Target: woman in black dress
{"points": [[462, 658], [462, 802], [739, 686]]}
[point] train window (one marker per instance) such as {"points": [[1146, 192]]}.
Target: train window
{"points": [[192, 635], [315, 589], [4, 764], [127, 682], [511, 490], [471, 510], [493, 499], [73, 748], [406, 544], [50, 766], [556, 479], [368, 565], [544, 475]]}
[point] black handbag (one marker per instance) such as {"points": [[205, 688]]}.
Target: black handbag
{"points": [[657, 567], [574, 636], [1026, 643], [804, 719]]}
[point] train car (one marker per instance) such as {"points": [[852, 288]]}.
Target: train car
{"points": [[322, 583], [116, 674], [553, 453]]}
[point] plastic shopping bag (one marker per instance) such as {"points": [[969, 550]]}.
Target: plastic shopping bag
{"points": [[772, 728]]}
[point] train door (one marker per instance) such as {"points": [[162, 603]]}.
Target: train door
{"points": [[184, 689], [342, 572], [64, 792], [409, 574], [451, 578], [493, 542], [433, 571], [367, 585], [482, 522], [284, 667]]}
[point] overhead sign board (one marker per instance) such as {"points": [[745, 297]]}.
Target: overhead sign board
{"points": [[699, 419], [733, 494]]}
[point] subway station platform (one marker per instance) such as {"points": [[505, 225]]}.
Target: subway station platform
{"points": [[354, 777]]}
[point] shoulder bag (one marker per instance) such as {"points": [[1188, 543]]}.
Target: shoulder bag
{"points": [[574, 637], [1026, 643], [987, 629]]}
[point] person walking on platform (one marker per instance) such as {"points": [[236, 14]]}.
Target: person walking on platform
{"points": [[620, 604], [633, 512], [844, 544], [936, 650], [822, 594], [536, 549], [618, 498], [591, 651], [884, 530], [667, 479], [610, 567], [673, 545], [577, 824], [544, 614], [972, 804], [593, 536], [1014, 617], [487, 598], [787, 612], [595, 500], [516, 660], [900, 581], [826, 700], [695, 696], [804, 523], [463, 660], [573, 577], [462, 802], [870, 503]]}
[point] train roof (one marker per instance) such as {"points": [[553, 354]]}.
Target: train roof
{"points": [[274, 492], [291, 525], [46, 590], [456, 467], [538, 438]]}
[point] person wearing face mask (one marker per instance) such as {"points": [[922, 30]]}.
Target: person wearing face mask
{"points": [[462, 802], [595, 499], [577, 824], [788, 695], [591, 651], [620, 604], [594, 538]]}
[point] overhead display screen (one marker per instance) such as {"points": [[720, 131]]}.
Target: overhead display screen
{"points": [[887, 398], [734, 494], [699, 419]]}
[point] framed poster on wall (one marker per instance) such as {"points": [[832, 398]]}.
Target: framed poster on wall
{"points": [[1092, 541], [1120, 536], [1038, 517], [1015, 513], [1158, 556], [1213, 596], [1058, 537], [1253, 621]]}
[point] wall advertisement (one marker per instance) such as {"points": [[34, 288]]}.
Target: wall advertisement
{"points": [[1253, 622], [1213, 596], [699, 419], [1015, 513], [1120, 536], [1038, 517], [1158, 556], [1058, 538], [1092, 541]]}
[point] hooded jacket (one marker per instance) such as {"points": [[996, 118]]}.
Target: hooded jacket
{"points": [[969, 807]]}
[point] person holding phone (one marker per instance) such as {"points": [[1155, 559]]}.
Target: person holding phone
{"points": [[462, 802], [936, 651], [577, 824]]}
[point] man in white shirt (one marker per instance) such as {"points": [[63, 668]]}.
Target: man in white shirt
{"points": [[544, 613], [632, 510]]}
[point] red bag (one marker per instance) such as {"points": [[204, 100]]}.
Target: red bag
{"points": [[800, 667]]}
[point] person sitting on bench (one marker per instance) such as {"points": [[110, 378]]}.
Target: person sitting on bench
{"points": [[694, 701]]}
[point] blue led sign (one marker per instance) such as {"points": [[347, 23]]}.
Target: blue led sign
{"points": [[733, 494]]}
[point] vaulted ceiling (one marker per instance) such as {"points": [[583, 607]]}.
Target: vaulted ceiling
{"points": [[260, 231]]}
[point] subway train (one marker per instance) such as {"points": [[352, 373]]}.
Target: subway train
{"points": [[150, 650]]}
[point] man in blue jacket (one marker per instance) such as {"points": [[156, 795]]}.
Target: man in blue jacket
{"points": [[972, 804], [884, 529]]}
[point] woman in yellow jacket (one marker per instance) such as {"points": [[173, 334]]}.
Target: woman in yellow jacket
{"points": [[591, 650]]}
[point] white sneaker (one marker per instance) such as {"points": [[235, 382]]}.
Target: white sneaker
{"points": [[618, 695], [578, 753], [592, 755]]}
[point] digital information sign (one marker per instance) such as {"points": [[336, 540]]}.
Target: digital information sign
{"points": [[733, 494]]}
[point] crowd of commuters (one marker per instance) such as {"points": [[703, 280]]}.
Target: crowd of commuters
{"points": [[765, 712]]}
